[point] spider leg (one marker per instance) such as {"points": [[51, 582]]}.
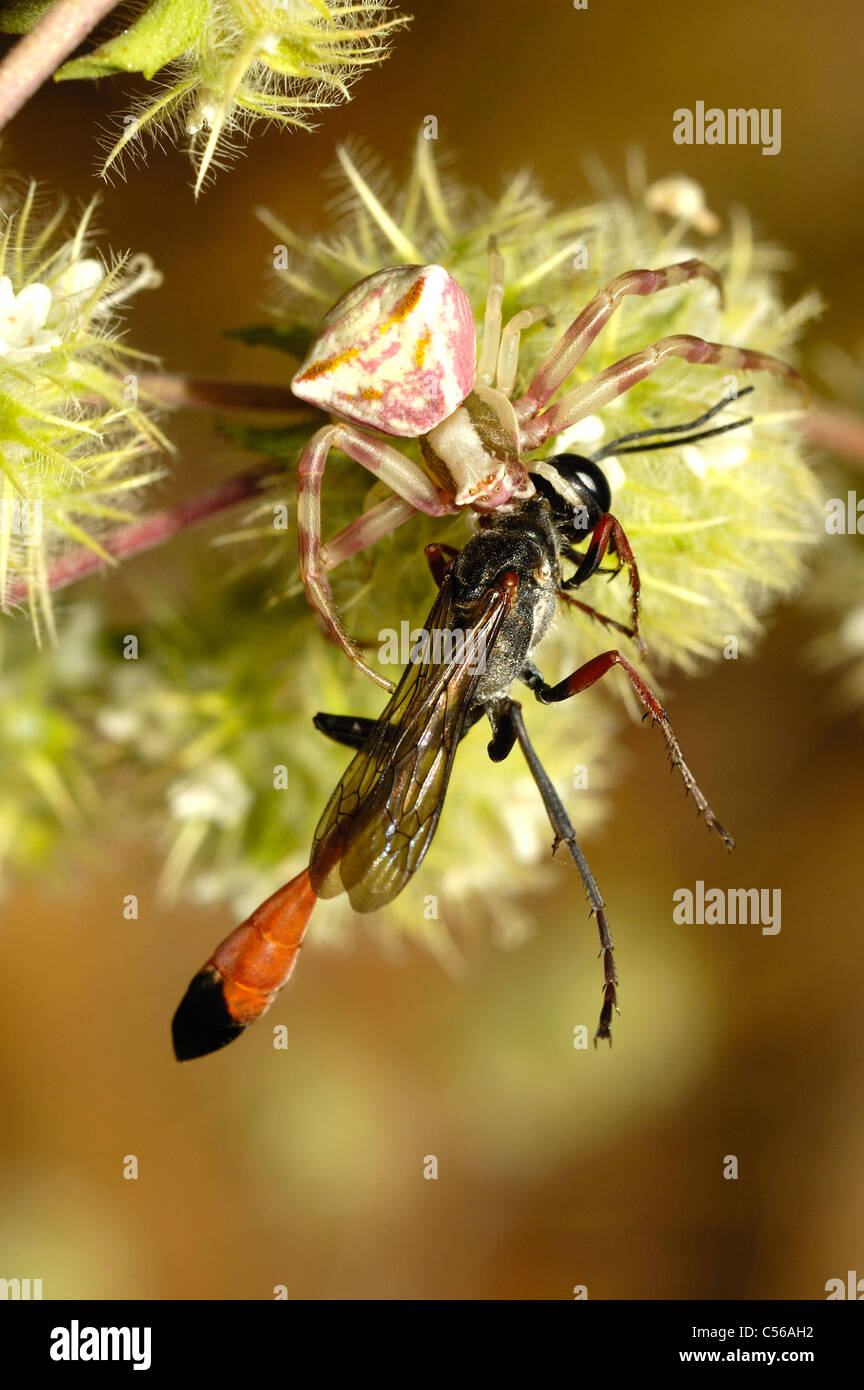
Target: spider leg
{"points": [[492, 319], [508, 353], [378, 521], [593, 671], [509, 727], [592, 395], [386, 462], [571, 348]]}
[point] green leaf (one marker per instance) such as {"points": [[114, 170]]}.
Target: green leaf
{"points": [[164, 31], [20, 16], [274, 443], [293, 339]]}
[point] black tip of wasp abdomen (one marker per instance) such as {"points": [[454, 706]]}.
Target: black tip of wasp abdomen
{"points": [[203, 1022]]}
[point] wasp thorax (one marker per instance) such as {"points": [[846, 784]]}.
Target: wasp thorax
{"points": [[395, 353], [473, 455]]}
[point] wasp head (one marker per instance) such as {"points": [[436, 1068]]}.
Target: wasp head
{"points": [[577, 491]]}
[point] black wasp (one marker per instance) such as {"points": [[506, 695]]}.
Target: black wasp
{"points": [[496, 599]]}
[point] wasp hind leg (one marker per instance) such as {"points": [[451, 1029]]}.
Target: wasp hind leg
{"points": [[509, 729]]}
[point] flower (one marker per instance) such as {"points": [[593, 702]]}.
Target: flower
{"points": [[73, 434], [213, 723], [833, 599], [47, 790], [22, 320], [222, 64], [684, 198], [718, 529]]}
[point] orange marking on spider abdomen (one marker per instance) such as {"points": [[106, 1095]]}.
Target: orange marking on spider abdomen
{"points": [[420, 348], [328, 364], [403, 306]]}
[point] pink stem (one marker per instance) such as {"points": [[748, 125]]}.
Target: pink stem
{"points": [[153, 531], [207, 393], [38, 54], [839, 431]]}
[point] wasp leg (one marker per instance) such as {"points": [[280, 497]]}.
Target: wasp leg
{"points": [[353, 730], [438, 558], [593, 671], [609, 534], [348, 729], [603, 618], [510, 729]]}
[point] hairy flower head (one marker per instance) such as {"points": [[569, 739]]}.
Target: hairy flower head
{"points": [[47, 791], [72, 433], [718, 527], [220, 65], [834, 599]]}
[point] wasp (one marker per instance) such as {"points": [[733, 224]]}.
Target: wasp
{"points": [[497, 597]]}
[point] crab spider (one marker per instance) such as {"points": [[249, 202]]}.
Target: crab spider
{"points": [[395, 356]]}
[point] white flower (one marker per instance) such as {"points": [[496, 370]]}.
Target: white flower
{"points": [[79, 279], [682, 197], [215, 792], [589, 430], [22, 320], [719, 454], [852, 631]]}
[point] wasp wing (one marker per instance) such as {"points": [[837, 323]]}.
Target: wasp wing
{"points": [[381, 818]]}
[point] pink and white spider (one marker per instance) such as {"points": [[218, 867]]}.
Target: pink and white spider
{"points": [[396, 356]]}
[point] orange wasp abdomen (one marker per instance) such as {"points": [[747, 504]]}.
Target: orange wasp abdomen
{"points": [[245, 973]]}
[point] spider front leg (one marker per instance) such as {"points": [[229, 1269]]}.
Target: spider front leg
{"points": [[499, 351], [398, 472], [571, 348], [592, 671], [377, 521], [592, 395]]}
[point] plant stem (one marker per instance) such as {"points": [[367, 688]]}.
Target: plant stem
{"points": [[207, 393], [38, 54], [837, 430], [144, 535]]}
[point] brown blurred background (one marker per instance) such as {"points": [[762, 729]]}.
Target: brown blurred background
{"points": [[557, 1167]]}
